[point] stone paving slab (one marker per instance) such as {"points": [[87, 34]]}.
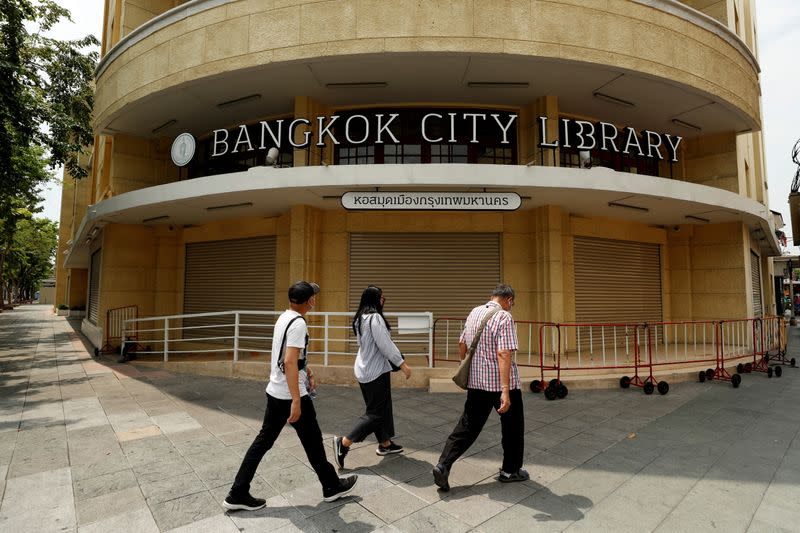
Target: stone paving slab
{"points": [[92, 446]]}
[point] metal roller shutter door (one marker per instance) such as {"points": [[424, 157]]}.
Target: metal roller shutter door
{"points": [[755, 274], [226, 276], [445, 273], [617, 281], [94, 288]]}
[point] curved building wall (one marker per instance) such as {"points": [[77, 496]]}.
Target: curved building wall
{"points": [[163, 57], [659, 38]]}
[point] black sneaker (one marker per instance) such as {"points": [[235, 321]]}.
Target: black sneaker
{"points": [[339, 452], [243, 503], [440, 475], [345, 487], [390, 449], [519, 475]]}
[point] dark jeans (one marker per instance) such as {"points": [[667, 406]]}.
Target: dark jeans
{"points": [[476, 411], [378, 418], [307, 429]]}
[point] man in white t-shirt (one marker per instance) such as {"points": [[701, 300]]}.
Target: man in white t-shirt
{"points": [[288, 401]]}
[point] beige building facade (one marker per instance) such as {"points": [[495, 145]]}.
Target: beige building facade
{"points": [[432, 148]]}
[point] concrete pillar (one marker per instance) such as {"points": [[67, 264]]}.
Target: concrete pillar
{"points": [[547, 264], [307, 107]]}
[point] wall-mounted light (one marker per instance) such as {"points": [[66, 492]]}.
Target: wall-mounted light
{"points": [[164, 126], [498, 84], [358, 85], [229, 206], [628, 206], [699, 219], [237, 101], [687, 125], [155, 219], [612, 99], [94, 232]]}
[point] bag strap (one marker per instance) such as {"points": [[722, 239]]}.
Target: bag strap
{"points": [[474, 345], [283, 342]]}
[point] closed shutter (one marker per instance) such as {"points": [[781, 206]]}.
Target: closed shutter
{"points": [[755, 273], [617, 281], [227, 276], [94, 288], [445, 273]]}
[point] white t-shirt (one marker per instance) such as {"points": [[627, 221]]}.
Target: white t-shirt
{"points": [[296, 338]]}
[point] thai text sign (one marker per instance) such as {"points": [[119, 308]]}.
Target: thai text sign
{"points": [[433, 201]]}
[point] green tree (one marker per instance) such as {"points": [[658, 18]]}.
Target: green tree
{"points": [[30, 258], [46, 97]]}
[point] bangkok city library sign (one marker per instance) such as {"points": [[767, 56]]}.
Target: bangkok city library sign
{"points": [[433, 128]]}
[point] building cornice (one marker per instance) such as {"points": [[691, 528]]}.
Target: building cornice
{"points": [[193, 7]]}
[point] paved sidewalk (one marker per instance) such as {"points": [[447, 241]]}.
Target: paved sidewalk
{"points": [[92, 446]]}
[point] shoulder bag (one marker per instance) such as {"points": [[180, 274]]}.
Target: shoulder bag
{"points": [[301, 362], [462, 374]]}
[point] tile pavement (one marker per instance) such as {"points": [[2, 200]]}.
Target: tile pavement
{"points": [[92, 446]]}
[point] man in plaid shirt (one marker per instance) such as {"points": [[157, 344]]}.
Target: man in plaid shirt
{"points": [[493, 384]]}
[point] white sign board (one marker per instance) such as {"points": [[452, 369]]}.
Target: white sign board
{"points": [[433, 201], [409, 325]]}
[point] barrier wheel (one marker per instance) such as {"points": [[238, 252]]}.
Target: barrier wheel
{"points": [[624, 382], [561, 391], [554, 382], [736, 380], [649, 388], [550, 393], [535, 386], [778, 371], [748, 368], [663, 387], [769, 372], [97, 352], [709, 374], [702, 376], [740, 368], [793, 362]]}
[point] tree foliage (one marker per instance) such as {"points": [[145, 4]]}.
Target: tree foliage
{"points": [[30, 258], [46, 98]]}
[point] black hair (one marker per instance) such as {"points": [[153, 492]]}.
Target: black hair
{"points": [[370, 303], [503, 291]]}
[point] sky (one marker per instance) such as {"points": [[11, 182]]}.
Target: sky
{"points": [[778, 26]]}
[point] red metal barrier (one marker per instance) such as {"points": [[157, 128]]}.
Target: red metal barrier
{"points": [[115, 327], [641, 348]]}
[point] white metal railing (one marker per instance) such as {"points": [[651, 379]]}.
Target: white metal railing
{"points": [[593, 346], [243, 331]]}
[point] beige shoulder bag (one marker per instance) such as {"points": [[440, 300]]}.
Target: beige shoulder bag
{"points": [[462, 374]]}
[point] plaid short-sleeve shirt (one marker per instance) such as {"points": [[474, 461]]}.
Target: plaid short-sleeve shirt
{"points": [[500, 333]]}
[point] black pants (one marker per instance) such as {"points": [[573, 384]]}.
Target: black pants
{"points": [[307, 429], [476, 411], [378, 418]]}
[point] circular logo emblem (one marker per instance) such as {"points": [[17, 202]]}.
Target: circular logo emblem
{"points": [[182, 149]]}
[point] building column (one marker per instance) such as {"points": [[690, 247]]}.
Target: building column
{"points": [[547, 263], [307, 107], [545, 106]]}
